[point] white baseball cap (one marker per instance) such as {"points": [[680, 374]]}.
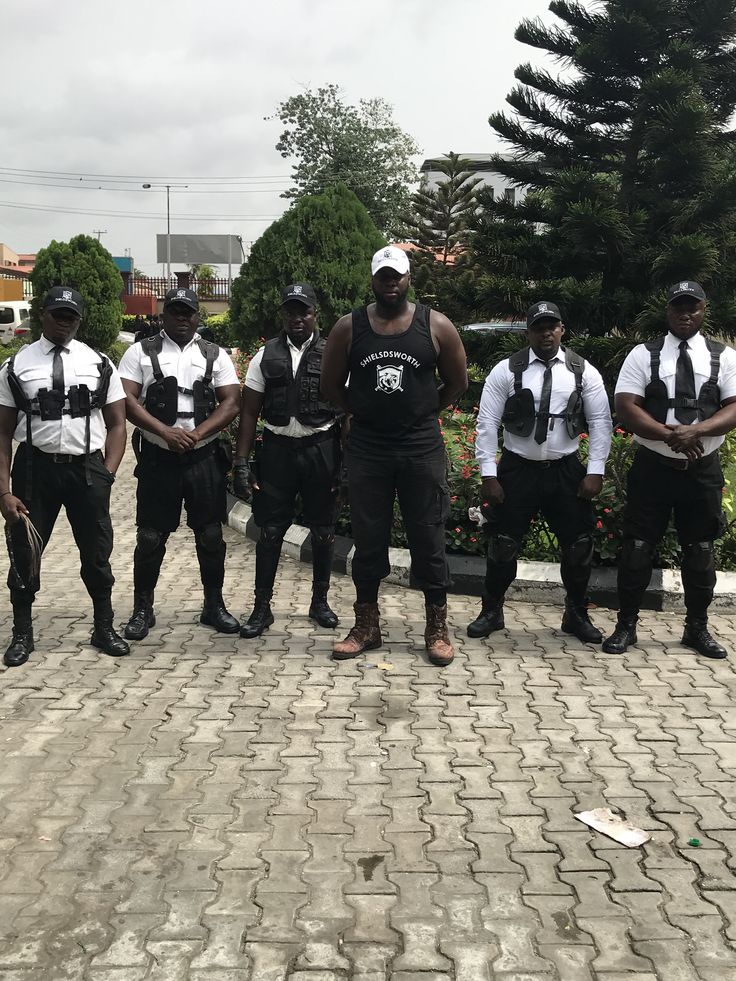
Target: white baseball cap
{"points": [[392, 257]]}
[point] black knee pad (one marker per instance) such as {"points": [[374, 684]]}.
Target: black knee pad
{"points": [[209, 537], [272, 535], [579, 552], [698, 557], [323, 535], [149, 540], [637, 554], [503, 548]]}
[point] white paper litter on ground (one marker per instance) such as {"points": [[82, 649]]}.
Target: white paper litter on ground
{"points": [[604, 820]]}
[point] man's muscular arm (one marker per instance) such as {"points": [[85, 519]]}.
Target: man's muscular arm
{"points": [[335, 363], [452, 363]]}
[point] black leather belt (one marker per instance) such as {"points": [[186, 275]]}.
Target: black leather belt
{"points": [[674, 463], [540, 464], [64, 457]]}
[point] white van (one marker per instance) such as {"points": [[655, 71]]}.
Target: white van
{"points": [[14, 320]]}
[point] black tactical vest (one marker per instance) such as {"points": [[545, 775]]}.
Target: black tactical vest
{"points": [[162, 395], [519, 414], [287, 397], [656, 400]]}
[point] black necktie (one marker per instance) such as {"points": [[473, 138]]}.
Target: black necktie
{"points": [[685, 386], [540, 432], [57, 370]]}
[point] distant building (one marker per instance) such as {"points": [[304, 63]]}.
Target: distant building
{"points": [[480, 164]]}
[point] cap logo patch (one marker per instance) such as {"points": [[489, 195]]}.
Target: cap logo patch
{"points": [[297, 290], [66, 294], [387, 253], [684, 286], [542, 308], [181, 294]]}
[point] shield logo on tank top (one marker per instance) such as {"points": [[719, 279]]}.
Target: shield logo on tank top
{"points": [[389, 378]]}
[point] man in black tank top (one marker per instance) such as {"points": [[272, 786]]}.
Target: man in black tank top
{"points": [[381, 364]]}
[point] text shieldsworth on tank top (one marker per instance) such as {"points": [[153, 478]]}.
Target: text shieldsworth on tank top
{"points": [[392, 390]]}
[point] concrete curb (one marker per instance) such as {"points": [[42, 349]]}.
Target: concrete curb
{"points": [[536, 582]]}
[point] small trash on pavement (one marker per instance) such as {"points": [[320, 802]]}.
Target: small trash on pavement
{"points": [[695, 842], [604, 820], [384, 666]]}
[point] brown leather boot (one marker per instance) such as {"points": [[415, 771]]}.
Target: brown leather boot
{"points": [[436, 636], [364, 636]]}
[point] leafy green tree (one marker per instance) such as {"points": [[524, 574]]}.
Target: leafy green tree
{"points": [[629, 164], [326, 240], [439, 216], [84, 264], [358, 146]]}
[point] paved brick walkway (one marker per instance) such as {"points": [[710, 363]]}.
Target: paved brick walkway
{"points": [[219, 810]]}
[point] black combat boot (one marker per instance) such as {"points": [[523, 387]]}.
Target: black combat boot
{"points": [[142, 618], [576, 621], [261, 618], [623, 635], [104, 637], [319, 610], [488, 620], [697, 636], [214, 613], [21, 643]]}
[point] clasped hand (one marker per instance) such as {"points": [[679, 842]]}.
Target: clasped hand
{"points": [[685, 439]]}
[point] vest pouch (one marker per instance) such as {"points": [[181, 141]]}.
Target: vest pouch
{"points": [[204, 401], [162, 400], [277, 375], [656, 400], [575, 415], [519, 414], [50, 404], [709, 400], [80, 404]]}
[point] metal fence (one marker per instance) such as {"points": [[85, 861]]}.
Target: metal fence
{"points": [[206, 289]]}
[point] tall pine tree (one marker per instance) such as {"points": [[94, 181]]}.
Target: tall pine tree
{"points": [[439, 217], [629, 163]]}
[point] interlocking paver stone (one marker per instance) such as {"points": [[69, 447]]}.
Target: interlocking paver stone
{"points": [[213, 809]]}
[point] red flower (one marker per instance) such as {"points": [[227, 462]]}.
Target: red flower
{"points": [[599, 524], [458, 531]]}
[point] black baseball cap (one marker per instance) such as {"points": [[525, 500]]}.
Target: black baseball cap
{"points": [[302, 292], [64, 298], [540, 310], [180, 295], [686, 288]]}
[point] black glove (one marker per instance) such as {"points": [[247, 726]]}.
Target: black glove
{"points": [[243, 481]]}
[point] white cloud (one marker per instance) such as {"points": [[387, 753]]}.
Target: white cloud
{"points": [[176, 88]]}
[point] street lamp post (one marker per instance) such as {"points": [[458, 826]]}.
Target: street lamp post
{"points": [[168, 224]]}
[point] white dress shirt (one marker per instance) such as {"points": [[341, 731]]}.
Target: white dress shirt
{"points": [[34, 367], [499, 387], [254, 380], [636, 374], [188, 364]]}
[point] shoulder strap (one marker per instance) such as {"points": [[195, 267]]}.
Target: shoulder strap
{"points": [[575, 363], [716, 350], [152, 346], [105, 369], [655, 352], [518, 363], [210, 351], [23, 403]]}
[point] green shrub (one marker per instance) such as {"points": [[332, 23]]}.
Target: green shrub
{"points": [[85, 265], [116, 350]]}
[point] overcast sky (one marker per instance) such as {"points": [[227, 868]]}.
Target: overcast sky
{"points": [[170, 90]]}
